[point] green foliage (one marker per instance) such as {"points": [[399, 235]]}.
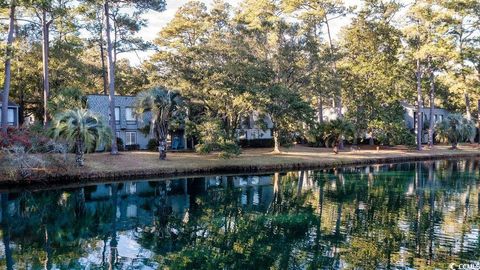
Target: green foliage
{"points": [[152, 145], [287, 110], [337, 130], [84, 130], [391, 133], [316, 135], [163, 104], [213, 138], [455, 128], [66, 99]]}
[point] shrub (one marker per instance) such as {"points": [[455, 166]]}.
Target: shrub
{"points": [[120, 144], [391, 133], [213, 138], [315, 135], [20, 163], [33, 139], [152, 145], [132, 147], [229, 149], [267, 143]]}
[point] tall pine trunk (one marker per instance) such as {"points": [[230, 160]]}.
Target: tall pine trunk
{"points": [[8, 66], [432, 105], [111, 79], [45, 52], [468, 112], [419, 126], [104, 71], [478, 119], [338, 100], [320, 110]]}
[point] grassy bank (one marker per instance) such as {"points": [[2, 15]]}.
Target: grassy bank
{"points": [[127, 165]]}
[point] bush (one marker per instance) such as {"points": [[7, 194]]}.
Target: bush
{"points": [[152, 145], [19, 163], [266, 143], [132, 147], [391, 133], [32, 139], [315, 135], [213, 139], [229, 149], [120, 144]]}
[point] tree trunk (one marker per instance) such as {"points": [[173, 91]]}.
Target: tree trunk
{"points": [[338, 101], [162, 148], [79, 153], [419, 106], [320, 110], [467, 106], [276, 141], [478, 117], [104, 71], [111, 79], [8, 55], [45, 52], [432, 105]]}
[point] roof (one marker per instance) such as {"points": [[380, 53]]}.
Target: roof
{"points": [[10, 103], [407, 105]]}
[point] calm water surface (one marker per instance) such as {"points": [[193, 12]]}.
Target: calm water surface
{"points": [[402, 216]]}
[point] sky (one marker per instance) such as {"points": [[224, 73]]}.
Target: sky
{"points": [[157, 20]]}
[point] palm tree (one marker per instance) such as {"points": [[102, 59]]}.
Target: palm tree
{"points": [[455, 128], [162, 104], [85, 129], [336, 131]]}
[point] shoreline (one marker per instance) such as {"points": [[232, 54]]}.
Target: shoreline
{"points": [[252, 162]]}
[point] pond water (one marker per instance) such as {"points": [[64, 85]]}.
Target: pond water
{"points": [[397, 216]]}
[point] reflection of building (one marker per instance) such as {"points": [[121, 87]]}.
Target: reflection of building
{"points": [[137, 199]]}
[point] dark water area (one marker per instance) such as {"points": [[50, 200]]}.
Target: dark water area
{"points": [[421, 215]]}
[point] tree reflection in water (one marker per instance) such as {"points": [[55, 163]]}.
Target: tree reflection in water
{"points": [[420, 215]]}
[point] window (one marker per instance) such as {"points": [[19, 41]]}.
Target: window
{"points": [[117, 134], [131, 138], [129, 116], [117, 114], [10, 116]]}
